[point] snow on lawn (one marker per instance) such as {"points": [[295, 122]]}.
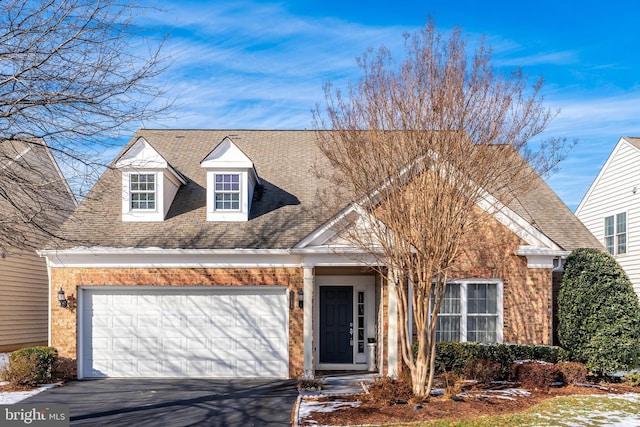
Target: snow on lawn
{"points": [[591, 414]]}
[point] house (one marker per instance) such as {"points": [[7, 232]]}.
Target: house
{"points": [[207, 253], [34, 200], [611, 207]]}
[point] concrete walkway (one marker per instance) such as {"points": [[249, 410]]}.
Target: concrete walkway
{"points": [[333, 385]]}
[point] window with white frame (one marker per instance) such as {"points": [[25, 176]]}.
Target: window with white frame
{"points": [[615, 233], [227, 192], [142, 190], [470, 312]]}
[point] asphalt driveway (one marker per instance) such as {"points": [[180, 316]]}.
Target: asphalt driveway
{"points": [[174, 402]]}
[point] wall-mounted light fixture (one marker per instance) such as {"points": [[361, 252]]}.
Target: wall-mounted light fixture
{"points": [[300, 298], [61, 299]]}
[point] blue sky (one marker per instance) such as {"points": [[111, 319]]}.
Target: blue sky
{"points": [[262, 64]]}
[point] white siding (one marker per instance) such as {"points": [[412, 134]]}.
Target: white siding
{"points": [[23, 301], [612, 193]]}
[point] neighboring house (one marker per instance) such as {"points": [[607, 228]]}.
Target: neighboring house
{"points": [[207, 253], [33, 192], [611, 207]]}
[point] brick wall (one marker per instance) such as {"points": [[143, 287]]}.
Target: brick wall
{"points": [[64, 321], [488, 252]]}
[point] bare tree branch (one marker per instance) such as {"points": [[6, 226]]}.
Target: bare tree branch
{"points": [[419, 145], [74, 74]]}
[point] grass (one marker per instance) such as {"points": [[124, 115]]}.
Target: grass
{"points": [[604, 410]]}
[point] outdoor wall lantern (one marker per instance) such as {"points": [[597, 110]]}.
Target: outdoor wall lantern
{"points": [[61, 299], [300, 298]]}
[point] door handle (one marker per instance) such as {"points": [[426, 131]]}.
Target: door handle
{"points": [[351, 334]]}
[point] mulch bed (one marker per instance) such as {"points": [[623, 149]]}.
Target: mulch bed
{"points": [[445, 408]]}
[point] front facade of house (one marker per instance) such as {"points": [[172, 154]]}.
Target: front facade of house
{"points": [[207, 254], [611, 211]]}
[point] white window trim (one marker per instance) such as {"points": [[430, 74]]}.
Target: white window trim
{"points": [[239, 192], [239, 215], [615, 234], [142, 215], [463, 305], [154, 192]]}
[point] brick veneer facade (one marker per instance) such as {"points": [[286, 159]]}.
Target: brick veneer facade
{"points": [[488, 253], [64, 331]]}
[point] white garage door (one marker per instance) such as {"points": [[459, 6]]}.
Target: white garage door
{"points": [[212, 332]]}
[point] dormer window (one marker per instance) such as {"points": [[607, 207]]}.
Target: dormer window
{"points": [[227, 192], [143, 191], [149, 183], [231, 181]]}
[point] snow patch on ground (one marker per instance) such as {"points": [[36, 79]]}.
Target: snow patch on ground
{"points": [[506, 394], [308, 406], [9, 398], [583, 416]]}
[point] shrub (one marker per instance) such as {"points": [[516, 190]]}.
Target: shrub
{"points": [[31, 366], [65, 368], [387, 390], [573, 372], [453, 356], [535, 375], [598, 313], [482, 370], [632, 378]]}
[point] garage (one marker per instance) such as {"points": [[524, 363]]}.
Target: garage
{"points": [[221, 332]]}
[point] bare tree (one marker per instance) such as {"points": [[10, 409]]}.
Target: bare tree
{"points": [[420, 146], [73, 73]]}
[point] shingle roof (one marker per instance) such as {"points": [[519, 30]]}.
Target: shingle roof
{"points": [[34, 197], [542, 208], [285, 207], [633, 140]]}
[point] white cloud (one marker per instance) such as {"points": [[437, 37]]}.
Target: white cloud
{"points": [[253, 65]]}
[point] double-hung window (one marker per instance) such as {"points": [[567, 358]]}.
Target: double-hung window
{"points": [[227, 192], [615, 233], [470, 311], [142, 191]]}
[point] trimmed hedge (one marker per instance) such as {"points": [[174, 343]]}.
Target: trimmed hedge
{"points": [[31, 366], [453, 356]]}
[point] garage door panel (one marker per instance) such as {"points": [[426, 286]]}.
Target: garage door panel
{"points": [[123, 344], [118, 320], [175, 333]]}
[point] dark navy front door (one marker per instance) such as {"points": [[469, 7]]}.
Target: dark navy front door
{"points": [[336, 324]]}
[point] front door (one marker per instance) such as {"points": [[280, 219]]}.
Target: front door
{"points": [[336, 324]]}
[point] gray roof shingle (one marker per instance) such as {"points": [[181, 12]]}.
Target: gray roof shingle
{"points": [[285, 208]]}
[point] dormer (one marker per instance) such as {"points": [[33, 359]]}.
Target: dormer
{"points": [[231, 181], [149, 183]]}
